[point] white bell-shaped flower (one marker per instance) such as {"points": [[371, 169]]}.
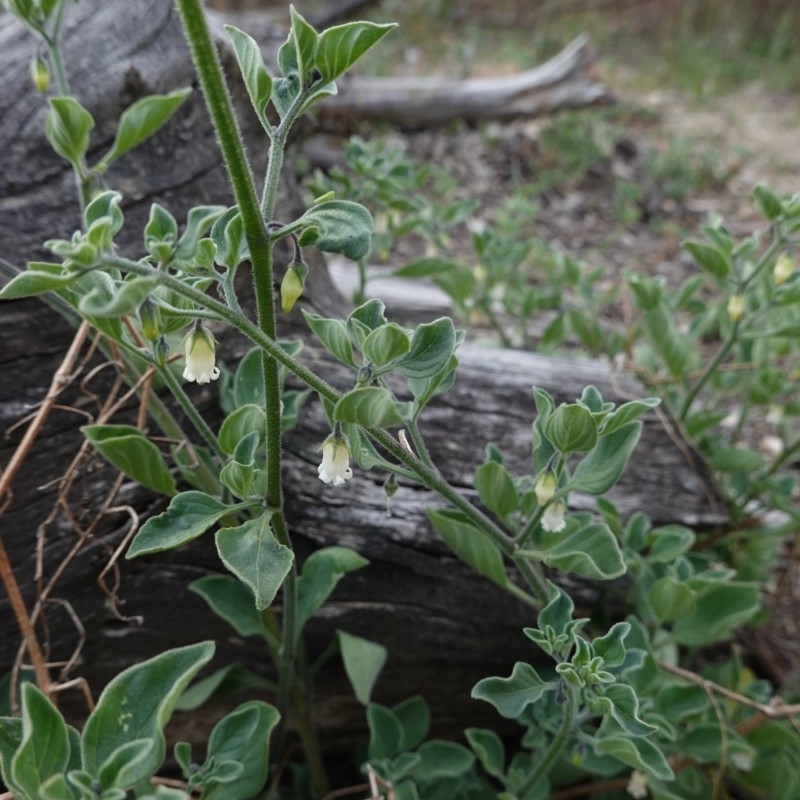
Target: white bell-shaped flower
{"points": [[335, 466], [553, 517], [200, 358]]}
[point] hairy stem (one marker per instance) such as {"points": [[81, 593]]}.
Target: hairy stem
{"points": [[548, 759]]}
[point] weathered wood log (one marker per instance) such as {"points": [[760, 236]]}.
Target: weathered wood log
{"points": [[563, 82], [443, 625]]}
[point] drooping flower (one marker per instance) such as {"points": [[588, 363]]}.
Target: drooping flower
{"points": [[784, 269], [200, 358], [553, 518], [335, 466], [735, 307], [637, 785], [545, 487]]}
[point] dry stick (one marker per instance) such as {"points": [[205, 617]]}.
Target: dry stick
{"points": [[60, 378], [771, 711]]}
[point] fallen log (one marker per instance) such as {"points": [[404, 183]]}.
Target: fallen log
{"points": [[563, 82], [416, 598]]}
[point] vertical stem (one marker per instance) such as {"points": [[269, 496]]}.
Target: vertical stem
{"points": [[556, 747], [253, 217]]}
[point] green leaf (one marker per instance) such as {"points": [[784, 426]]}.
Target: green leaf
{"points": [[591, 551], [571, 429], [441, 760], [496, 488], [232, 601], [333, 335], [339, 226], [305, 44], [670, 599], [469, 543], [363, 661], [253, 554], [338, 48], [140, 121], [10, 740], [385, 732], [160, 233], [385, 344], [682, 702], [371, 407], [36, 281], [710, 258], [257, 79], [668, 542], [67, 127], [489, 749], [189, 515], [425, 268], [243, 421], [637, 753], [241, 737], [228, 236], [415, 719], [611, 647], [623, 706], [44, 748], [229, 680], [131, 452], [322, 570], [737, 459], [198, 222], [628, 412], [432, 346], [127, 297], [602, 468], [719, 609], [130, 764], [767, 202], [511, 696], [137, 703]]}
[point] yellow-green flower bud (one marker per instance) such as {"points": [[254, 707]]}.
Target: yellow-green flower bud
{"points": [[735, 307], [40, 75], [161, 351], [784, 269], [292, 285], [545, 487], [150, 320]]}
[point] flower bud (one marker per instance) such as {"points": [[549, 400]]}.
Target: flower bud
{"points": [[200, 357], [161, 351], [784, 269], [150, 320], [735, 307], [292, 285], [40, 75], [545, 487]]}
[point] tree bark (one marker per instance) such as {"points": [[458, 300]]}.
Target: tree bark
{"points": [[443, 625]]}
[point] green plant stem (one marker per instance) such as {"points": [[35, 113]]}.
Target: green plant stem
{"points": [[277, 147], [201, 426], [219, 104], [419, 444], [548, 759], [710, 369], [730, 340]]}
